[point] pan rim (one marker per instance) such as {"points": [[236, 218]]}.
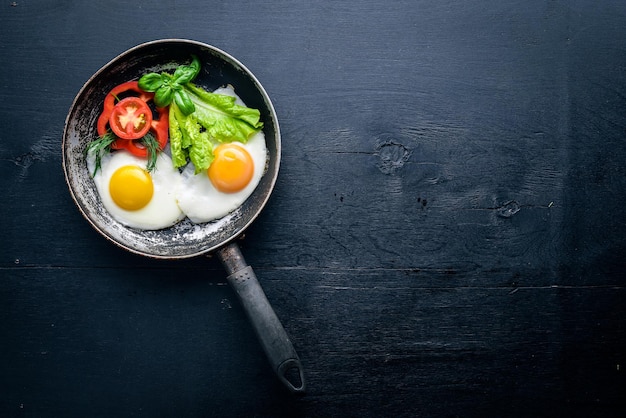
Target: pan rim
{"points": [[272, 172]]}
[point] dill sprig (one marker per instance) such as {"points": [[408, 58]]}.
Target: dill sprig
{"points": [[152, 145], [101, 146]]}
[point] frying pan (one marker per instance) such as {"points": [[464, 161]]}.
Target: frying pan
{"points": [[186, 239]]}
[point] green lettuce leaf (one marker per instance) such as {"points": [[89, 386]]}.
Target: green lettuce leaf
{"points": [[178, 145], [216, 119], [225, 120]]}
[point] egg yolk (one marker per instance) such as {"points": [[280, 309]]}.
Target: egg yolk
{"points": [[232, 168], [131, 187]]}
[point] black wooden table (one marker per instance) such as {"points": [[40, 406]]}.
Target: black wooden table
{"points": [[447, 236]]}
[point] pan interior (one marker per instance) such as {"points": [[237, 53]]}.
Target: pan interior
{"points": [[184, 239]]}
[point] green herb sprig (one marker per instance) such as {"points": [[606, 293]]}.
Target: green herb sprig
{"points": [[167, 87], [151, 143], [101, 146]]}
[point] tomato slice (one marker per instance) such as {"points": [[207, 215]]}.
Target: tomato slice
{"points": [[131, 118], [111, 98], [160, 126]]}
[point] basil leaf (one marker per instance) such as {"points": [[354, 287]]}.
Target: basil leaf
{"points": [[150, 82], [195, 64], [185, 73], [163, 96], [184, 103]]}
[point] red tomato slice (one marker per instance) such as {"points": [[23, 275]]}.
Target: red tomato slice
{"points": [[159, 127], [131, 118], [109, 102]]}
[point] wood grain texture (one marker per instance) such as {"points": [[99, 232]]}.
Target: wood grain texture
{"points": [[446, 236]]}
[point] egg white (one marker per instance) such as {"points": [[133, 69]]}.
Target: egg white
{"points": [[176, 194], [202, 202], [162, 211]]}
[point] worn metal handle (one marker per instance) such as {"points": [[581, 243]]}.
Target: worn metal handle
{"points": [[273, 337]]}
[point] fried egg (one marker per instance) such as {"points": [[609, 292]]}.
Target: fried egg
{"points": [[229, 181], [135, 197]]}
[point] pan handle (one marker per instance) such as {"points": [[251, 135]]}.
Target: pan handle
{"points": [[270, 332]]}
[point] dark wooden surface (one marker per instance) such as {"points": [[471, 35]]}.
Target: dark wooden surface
{"points": [[447, 236]]}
